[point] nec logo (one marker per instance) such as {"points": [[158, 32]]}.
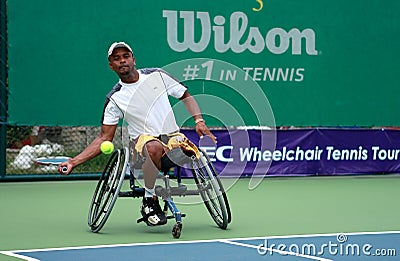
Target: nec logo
{"points": [[221, 154]]}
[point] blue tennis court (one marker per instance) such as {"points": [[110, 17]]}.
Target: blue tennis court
{"points": [[352, 246]]}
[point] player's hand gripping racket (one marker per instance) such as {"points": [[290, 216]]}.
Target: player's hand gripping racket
{"points": [[57, 160]]}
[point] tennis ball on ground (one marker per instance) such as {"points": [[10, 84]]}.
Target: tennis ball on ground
{"points": [[107, 147]]}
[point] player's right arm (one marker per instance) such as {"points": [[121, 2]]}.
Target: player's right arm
{"points": [[110, 118], [93, 150]]}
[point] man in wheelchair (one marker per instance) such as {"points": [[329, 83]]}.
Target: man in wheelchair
{"points": [[140, 98]]}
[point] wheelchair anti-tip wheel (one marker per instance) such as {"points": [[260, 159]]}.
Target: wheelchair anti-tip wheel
{"points": [[211, 190], [176, 230], [107, 189]]}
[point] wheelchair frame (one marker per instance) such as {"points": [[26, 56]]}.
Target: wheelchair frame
{"points": [[209, 187]]}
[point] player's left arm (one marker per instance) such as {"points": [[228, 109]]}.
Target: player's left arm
{"points": [[194, 109]]}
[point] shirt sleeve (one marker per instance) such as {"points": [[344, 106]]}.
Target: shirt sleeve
{"points": [[112, 114], [174, 87]]}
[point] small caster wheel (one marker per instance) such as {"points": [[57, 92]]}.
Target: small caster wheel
{"points": [[176, 230]]}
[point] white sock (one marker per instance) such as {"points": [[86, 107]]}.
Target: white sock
{"points": [[149, 193]]}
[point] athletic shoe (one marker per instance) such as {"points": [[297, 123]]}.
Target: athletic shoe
{"points": [[152, 213]]}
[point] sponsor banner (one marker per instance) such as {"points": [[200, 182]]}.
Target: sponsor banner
{"points": [[303, 152]]}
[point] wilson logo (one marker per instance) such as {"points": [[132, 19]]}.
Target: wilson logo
{"points": [[242, 37]]}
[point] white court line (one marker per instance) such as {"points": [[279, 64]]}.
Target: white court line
{"points": [[334, 234], [282, 252], [12, 252]]}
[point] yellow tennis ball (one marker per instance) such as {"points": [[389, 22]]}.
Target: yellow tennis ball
{"points": [[107, 147]]}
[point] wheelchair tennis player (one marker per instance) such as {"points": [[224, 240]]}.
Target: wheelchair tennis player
{"points": [[141, 98]]}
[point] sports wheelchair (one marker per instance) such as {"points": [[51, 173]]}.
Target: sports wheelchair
{"points": [[208, 183]]}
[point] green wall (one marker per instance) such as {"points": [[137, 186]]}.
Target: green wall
{"points": [[319, 62]]}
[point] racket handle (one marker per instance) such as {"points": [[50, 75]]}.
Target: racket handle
{"points": [[64, 169]]}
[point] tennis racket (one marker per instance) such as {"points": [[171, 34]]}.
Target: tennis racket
{"points": [[56, 160]]}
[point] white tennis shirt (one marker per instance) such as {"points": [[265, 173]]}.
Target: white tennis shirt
{"points": [[144, 105]]}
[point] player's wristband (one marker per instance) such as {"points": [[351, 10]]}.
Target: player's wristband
{"points": [[199, 120]]}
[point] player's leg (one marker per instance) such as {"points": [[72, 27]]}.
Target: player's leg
{"points": [[153, 151], [151, 210]]}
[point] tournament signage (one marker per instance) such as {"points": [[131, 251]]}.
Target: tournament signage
{"points": [[305, 152], [318, 63], [241, 37]]}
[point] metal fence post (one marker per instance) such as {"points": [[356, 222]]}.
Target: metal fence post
{"points": [[3, 85]]}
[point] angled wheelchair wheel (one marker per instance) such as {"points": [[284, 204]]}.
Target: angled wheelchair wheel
{"points": [[211, 190], [107, 189]]}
